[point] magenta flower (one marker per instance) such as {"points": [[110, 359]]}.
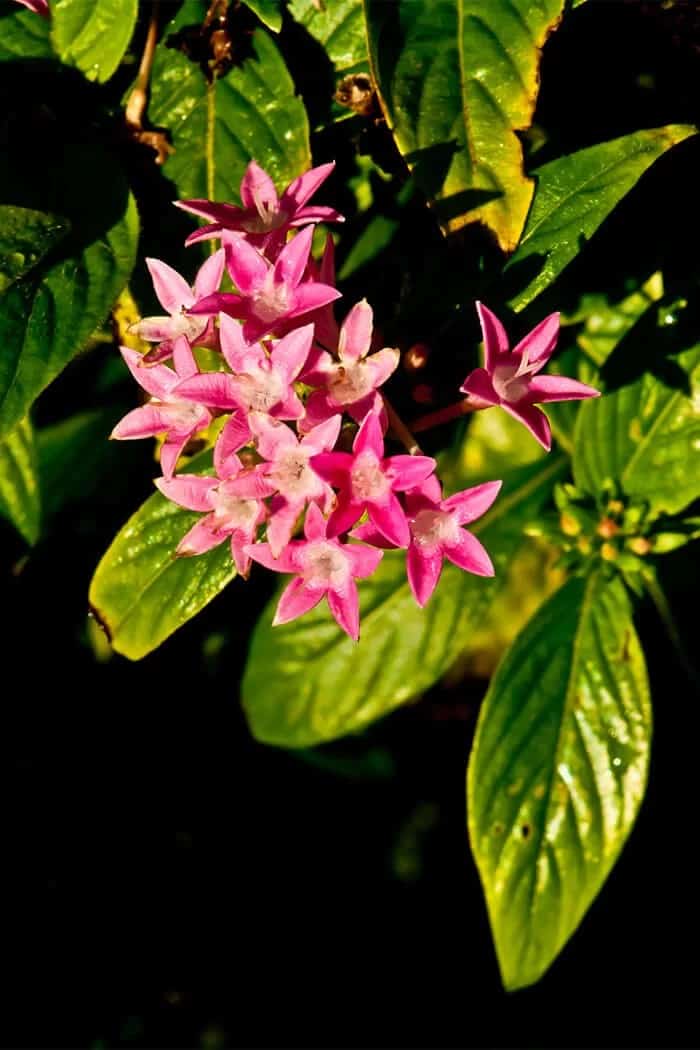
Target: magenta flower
{"points": [[272, 294], [175, 295], [39, 7], [232, 504], [288, 473], [323, 567], [166, 412], [509, 377], [437, 533], [350, 384], [261, 382], [369, 481], [265, 218]]}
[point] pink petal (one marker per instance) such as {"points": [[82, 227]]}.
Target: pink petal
{"points": [[204, 233], [364, 560], [171, 450], [262, 554], [472, 503], [309, 297], [319, 364], [333, 467], [183, 358], [345, 607], [283, 518], [227, 215], [429, 491], [369, 437], [423, 570], [200, 539], [318, 410], [408, 471], [304, 186], [292, 260], [289, 354], [296, 599], [538, 345], [220, 302], [495, 338], [38, 7], [469, 554], [315, 525], [356, 332], [368, 534], [172, 290], [214, 389], [373, 403], [157, 380], [542, 389], [156, 329], [188, 490], [245, 264], [344, 516], [162, 352], [382, 364], [271, 435], [249, 484], [535, 421], [233, 437], [324, 436], [291, 407], [240, 540], [146, 421], [208, 279], [326, 271], [233, 346], [390, 518], [258, 190], [316, 213], [479, 387]]}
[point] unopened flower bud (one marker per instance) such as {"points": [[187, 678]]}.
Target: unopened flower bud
{"points": [[609, 552], [416, 357], [639, 545], [569, 525], [607, 528]]}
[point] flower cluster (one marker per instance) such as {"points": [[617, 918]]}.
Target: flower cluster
{"points": [[287, 377]]}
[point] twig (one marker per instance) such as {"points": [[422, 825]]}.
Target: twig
{"points": [[400, 429], [444, 415]]}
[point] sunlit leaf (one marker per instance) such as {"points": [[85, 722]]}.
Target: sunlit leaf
{"points": [[93, 34], [20, 500]]}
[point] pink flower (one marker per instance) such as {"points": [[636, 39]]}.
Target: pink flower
{"points": [[261, 382], [39, 7], [272, 294], [166, 412], [175, 295], [437, 533], [265, 218], [350, 384], [369, 481], [233, 507], [323, 567], [509, 377], [288, 472]]}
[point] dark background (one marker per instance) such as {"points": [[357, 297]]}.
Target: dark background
{"points": [[172, 883]]}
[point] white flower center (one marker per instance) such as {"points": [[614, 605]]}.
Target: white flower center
{"points": [[261, 389], [432, 528], [367, 480], [325, 565], [292, 474], [505, 382], [271, 300], [232, 512], [181, 415], [267, 219], [350, 382], [192, 327]]}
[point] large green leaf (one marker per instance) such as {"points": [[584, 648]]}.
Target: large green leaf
{"points": [[307, 682], [20, 500], [558, 770], [575, 194], [93, 34], [25, 238], [339, 27], [141, 592], [48, 315], [217, 127], [23, 34], [457, 79], [269, 12], [645, 435]]}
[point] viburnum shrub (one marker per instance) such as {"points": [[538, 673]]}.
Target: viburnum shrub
{"points": [[498, 301]]}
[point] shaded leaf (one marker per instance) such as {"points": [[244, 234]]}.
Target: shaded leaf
{"points": [[307, 682], [20, 500], [23, 34], [25, 238], [74, 455], [607, 325], [575, 194], [141, 593], [269, 12], [558, 770], [339, 27], [217, 127], [457, 78], [93, 35]]}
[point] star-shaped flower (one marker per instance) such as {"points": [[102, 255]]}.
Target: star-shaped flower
{"points": [[510, 377]]}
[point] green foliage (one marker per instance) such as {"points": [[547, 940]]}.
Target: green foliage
{"points": [[26, 236], [217, 127], [22, 34], [269, 12], [558, 770], [93, 34], [306, 682], [339, 28], [457, 80], [141, 592], [20, 499]]}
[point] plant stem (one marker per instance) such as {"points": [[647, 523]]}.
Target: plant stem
{"points": [[400, 429], [136, 105], [444, 415]]}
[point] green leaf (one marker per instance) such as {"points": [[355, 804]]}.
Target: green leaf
{"points": [[74, 457], [558, 770], [141, 593], [268, 11], [93, 35], [25, 238], [457, 79], [575, 194], [307, 682], [607, 325], [645, 435], [49, 314], [339, 27], [20, 500], [218, 127], [23, 34]]}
